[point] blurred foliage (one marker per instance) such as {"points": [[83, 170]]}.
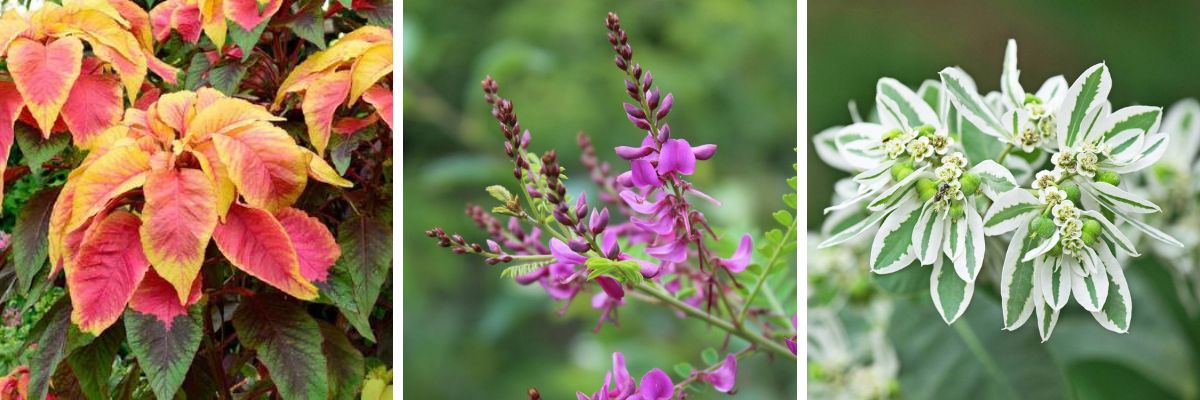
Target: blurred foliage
{"points": [[731, 66], [852, 44]]}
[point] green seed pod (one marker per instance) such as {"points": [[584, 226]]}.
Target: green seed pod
{"points": [[1091, 228], [1057, 250], [901, 170], [926, 188], [892, 134], [1042, 226], [970, 183], [1030, 98], [1072, 191], [925, 130], [1088, 238], [1108, 177], [956, 211]]}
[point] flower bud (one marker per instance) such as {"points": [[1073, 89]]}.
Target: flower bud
{"points": [[638, 122], [652, 98], [956, 211], [633, 153], [666, 106], [581, 206], [925, 130], [704, 151], [1091, 230], [578, 245], [1109, 177], [1032, 98], [1042, 227], [970, 183], [1072, 191], [892, 134], [634, 111], [926, 188], [901, 171], [649, 81], [664, 133], [599, 221], [562, 217], [613, 252], [620, 62]]}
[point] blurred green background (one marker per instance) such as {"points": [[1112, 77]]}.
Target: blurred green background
{"points": [[732, 68], [1152, 51]]}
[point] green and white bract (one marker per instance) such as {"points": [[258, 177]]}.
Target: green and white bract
{"points": [[945, 171]]}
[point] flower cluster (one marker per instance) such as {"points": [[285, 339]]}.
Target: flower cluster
{"points": [[647, 236], [946, 170]]}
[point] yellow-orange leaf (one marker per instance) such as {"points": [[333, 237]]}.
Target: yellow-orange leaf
{"points": [[374, 64], [212, 18], [210, 163], [114, 173], [381, 99], [322, 171], [11, 104], [107, 270], [224, 115], [11, 25], [177, 223], [94, 104], [265, 165], [255, 242], [44, 75], [315, 247], [321, 100]]}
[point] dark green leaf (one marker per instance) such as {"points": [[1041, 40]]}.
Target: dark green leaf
{"points": [[288, 342], [29, 237], [51, 342], [683, 370], [199, 384], [380, 15], [246, 39], [338, 290], [310, 26], [709, 355], [38, 150], [227, 78], [197, 72], [93, 363], [165, 353], [346, 367], [366, 255]]}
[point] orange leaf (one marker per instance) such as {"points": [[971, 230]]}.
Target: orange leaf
{"points": [[255, 242], [210, 163], [247, 12], [11, 104], [108, 269], [381, 99], [94, 103], [212, 18], [322, 171], [264, 163], [44, 75], [139, 21], [315, 247], [11, 25], [111, 175], [374, 64], [177, 223], [223, 115], [321, 100], [156, 296]]}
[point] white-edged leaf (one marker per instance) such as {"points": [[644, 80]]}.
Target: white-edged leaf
{"points": [[852, 231], [970, 260], [875, 174], [1152, 150], [927, 235], [858, 145], [1047, 317], [1017, 281], [823, 143], [995, 180], [930, 92], [1054, 275], [961, 90], [1009, 211], [1010, 83], [951, 295], [1089, 92], [1182, 122], [1042, 248], [1052, 91], [897, 191], [1119, 200], [953, 244], [903, 105], [1144, 119], [892, 248], [1118, 308], [1153, 232], [857, 198], [1117, 237], [1091, 290]]}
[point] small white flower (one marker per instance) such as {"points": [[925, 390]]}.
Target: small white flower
{"points": [[1046, 179], [941, 142], [956, 159], [947, 172], [1052, 196], [1065, 212], [920, 148], [1065, 161]]}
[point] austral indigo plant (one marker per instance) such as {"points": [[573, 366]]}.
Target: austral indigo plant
{"points": [[646, 241], [215, 211], [951, 178]]}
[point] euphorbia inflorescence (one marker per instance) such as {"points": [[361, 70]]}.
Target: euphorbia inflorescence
{"points": [[1049, 166]]}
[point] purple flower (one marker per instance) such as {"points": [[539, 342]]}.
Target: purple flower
{"points": [[676, 156], [671, 251], [563, 253], [655, 385], [723, 377], [619, 385], [741, 257]]}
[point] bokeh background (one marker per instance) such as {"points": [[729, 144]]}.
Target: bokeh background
{"points": [[732, 68], [1150, 48]]}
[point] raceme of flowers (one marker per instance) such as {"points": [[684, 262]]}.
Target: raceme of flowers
{"points": [[1049, 176], [191, 154], [570, 248]]}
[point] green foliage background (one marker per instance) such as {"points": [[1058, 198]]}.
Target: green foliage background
{"points": [[731, 65], [1149, 49]]}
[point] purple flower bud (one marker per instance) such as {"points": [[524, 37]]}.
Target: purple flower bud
{"points": [[664, 132], [525, 138], [648, 81], [613, 251], [533, 192], [578, 245], [704, 151], [620, 62], [508, 148], [666, 106], [562, 217], [633, 153], [581, 206], [652, 98], [640, 123], [637, 71], [599, 221], [611, 287], [633, 111], [532, 276]]}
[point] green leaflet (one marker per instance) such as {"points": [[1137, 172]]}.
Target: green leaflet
{"points": [[366, 256], [288, 341], [50, 336], [37, 150], [92, 364], [968, 102], [30, 235], [165, 354], [627, 271]]}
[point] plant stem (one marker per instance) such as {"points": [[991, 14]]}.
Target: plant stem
{"points": [[754, 338], [972, 341], [1007, 149], [766, 272]]}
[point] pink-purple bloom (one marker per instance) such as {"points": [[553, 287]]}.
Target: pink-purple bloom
{"points": [[619, 384], [723, 377], [741, 257]]}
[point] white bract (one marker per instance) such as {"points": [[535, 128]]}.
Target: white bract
{"points": [[1040, 173]]}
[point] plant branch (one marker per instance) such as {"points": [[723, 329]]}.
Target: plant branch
{"points": [[762, 279], [743, 332]]}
